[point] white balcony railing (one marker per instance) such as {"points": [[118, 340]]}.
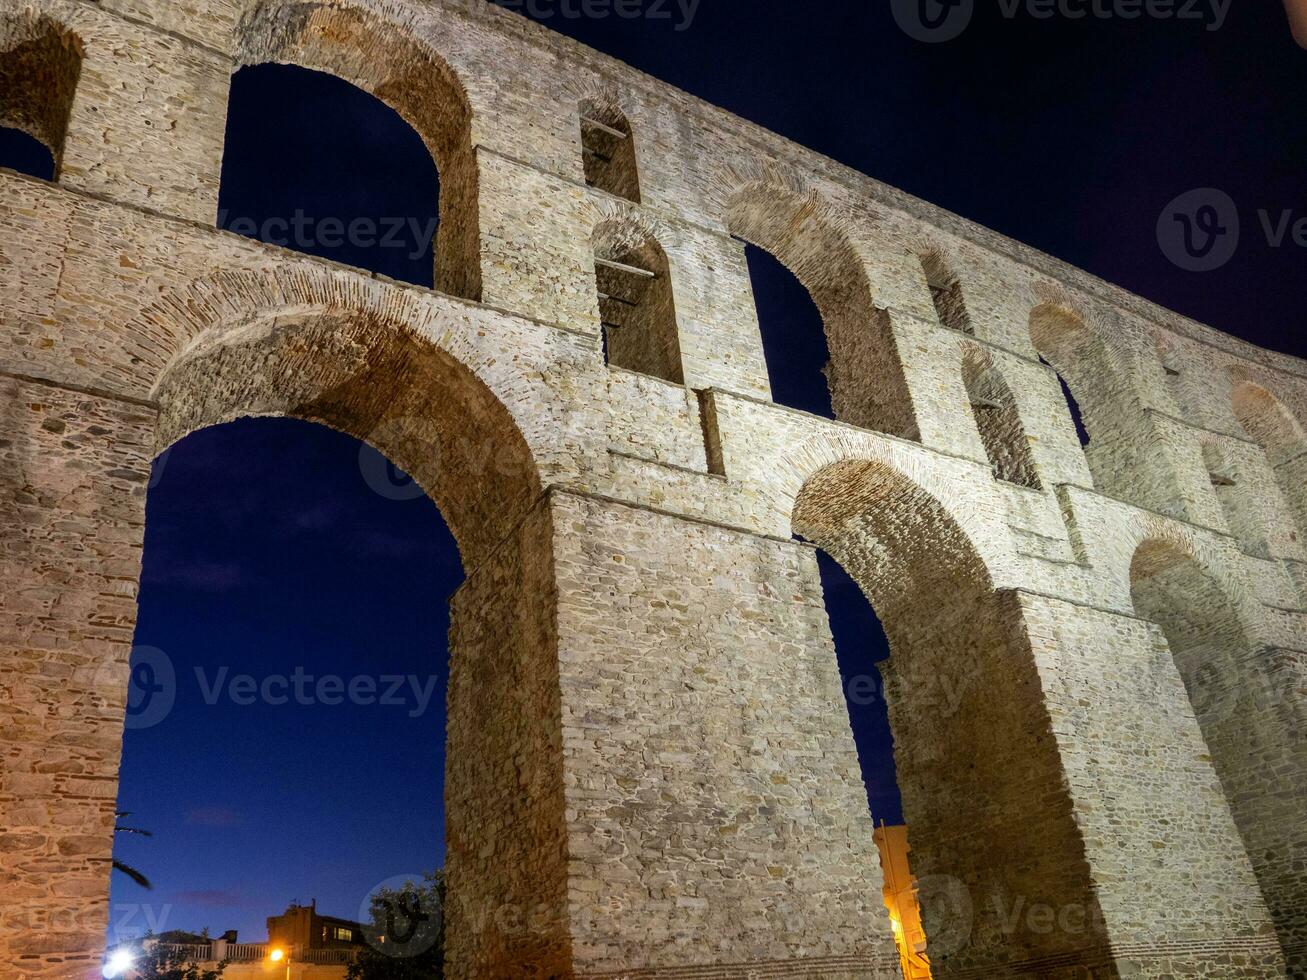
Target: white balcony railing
{"points": [[219, 950]]}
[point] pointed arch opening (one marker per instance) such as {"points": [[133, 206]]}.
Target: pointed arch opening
{"points": [[998, 420], [952, 641], [1128, 454], [945, 292], [864, 376], [1273, 427], [40, 65], [636, 304], [608, 149], [389, 64], [377, 380]]}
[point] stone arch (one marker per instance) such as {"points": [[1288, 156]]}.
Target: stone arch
{"points": [[969, 503], [1251, 730], [608, 148], [954, 642], [40, 64], [380, 374], [166, 329], [373, 379], [636, 303], [998, 419], [1273, 427], [893, 510], [865, 375], [1061, 337], [186, 324], [945, 291], [1125, 452], [391, 63]]}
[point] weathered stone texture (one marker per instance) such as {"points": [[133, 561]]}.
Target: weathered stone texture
{"points": [[1098, 674], [703, 720], [73, 470]]}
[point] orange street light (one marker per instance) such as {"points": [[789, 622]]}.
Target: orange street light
{"points": [[278, 955]]}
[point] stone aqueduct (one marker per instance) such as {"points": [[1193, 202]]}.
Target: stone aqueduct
{"points": [[1098, 667]]}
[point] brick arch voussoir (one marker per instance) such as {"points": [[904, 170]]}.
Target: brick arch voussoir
{"points": [[386, 49], [832, 254], [1214, 555], [1054, 298], [600, 92], [624, 222], [1243, 378], [380, 42], [443, 403], [41, 66], [969, 504]]}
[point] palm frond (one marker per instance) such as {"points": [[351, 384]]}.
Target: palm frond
{"points": [[132, 873]]}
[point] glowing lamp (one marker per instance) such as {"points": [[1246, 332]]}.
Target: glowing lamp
{"points": [[277, 955], [120, 961]]}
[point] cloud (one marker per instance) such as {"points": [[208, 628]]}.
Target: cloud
{"points": [[202, 576]]}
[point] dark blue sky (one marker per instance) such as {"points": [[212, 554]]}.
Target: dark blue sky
{"points": [[267, 550]]}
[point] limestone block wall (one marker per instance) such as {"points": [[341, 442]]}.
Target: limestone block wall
{"points": [[651, 772], [73, 471], [705, 742], [508, 854], [140, 127]]}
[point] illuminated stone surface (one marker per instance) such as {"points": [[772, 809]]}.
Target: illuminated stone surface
{"points": [[1097, 678]]}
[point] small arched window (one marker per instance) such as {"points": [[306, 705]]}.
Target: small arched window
{"points": [[1273, 427], [39, 69], [608, 146], [945, 293], [843, 362], [636, 303], [997, 419], [1064, 343]]}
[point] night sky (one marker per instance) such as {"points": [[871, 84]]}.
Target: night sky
{"points": [[268, 548]]}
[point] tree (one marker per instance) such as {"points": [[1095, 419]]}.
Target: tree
{"points": [[159, 961], [405, 934], [122, 866]]}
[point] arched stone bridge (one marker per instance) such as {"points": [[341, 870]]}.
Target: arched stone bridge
{"points": [[1098, 667]]}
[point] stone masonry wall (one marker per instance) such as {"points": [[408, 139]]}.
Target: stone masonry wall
{"points": [[705, 741], [73, 471], [646, 734]]}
